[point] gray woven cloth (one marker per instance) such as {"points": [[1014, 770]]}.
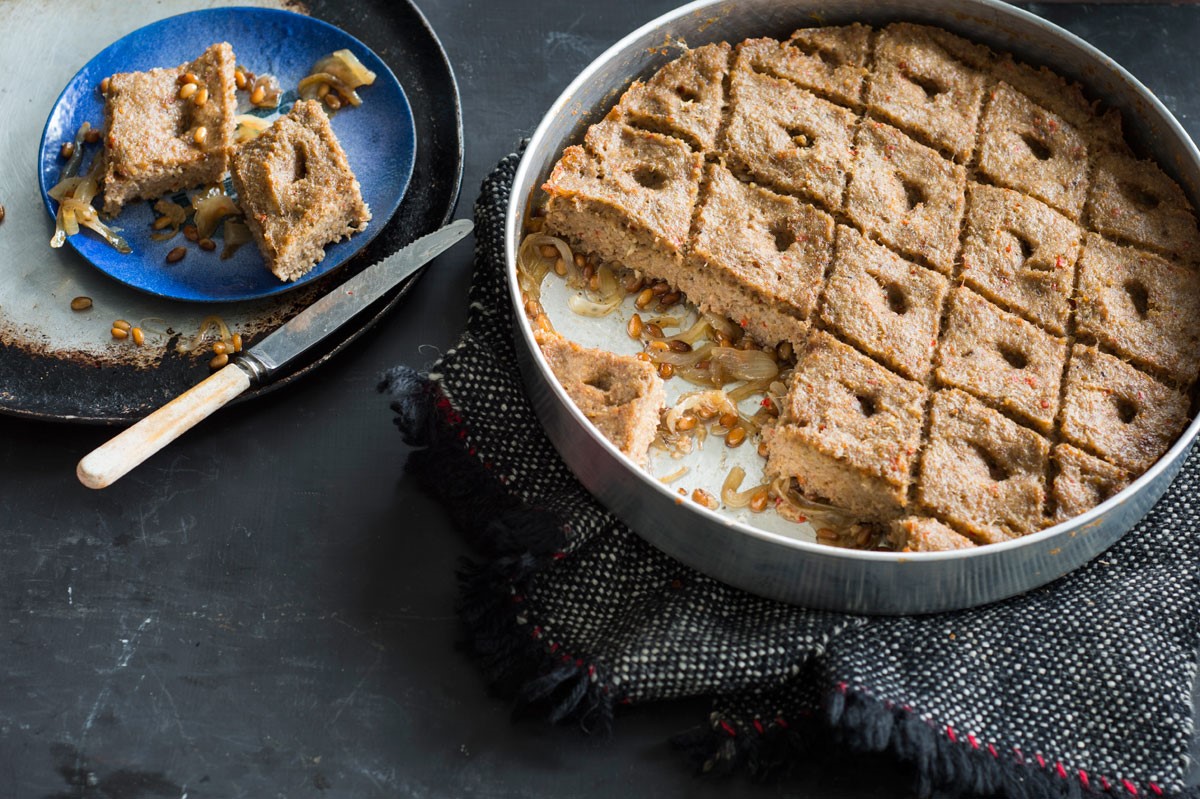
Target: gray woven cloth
{"points": [[1082, 686]]}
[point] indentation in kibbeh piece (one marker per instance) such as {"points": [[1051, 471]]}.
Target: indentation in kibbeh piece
{"points": [[923, 534], [886, 305], [919, 86], [1082, 482], [1028, 148], [684, 98], [1001, 358], [849, 430], [830, 61], [1140, 305], [907, 195], [787, 137], [759, 257], [620, 395], [297, 191], [1020, 253], [151, 144], [1134, 200], [1118, 412], [982, 471], [627, 196]]}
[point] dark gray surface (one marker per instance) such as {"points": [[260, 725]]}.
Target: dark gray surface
{"points": [[266, 608]]}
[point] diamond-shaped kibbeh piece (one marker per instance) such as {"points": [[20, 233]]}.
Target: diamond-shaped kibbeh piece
{"points": [[1056, 94], [981, 470], [297, 191], [1028, 148], [1142, 306], [1001, 358], [769, 253], [920, 87], [1082, 482], [907, 195], [849, 431], [923, 534], [885, 305], [830, 61], [151, 145], [684, 98], [619, 394], [627, 197], [1118, 412], [1134, 200], [1020, 253], [788, 138]]}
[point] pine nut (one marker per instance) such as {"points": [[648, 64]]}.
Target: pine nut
{"points": [[187, 78], [81, 303], [548, 251], [121, 324], [580, 260], [67, 150], [633, 284], [735, 437], [139, 338], [658, 346], [239, 79], [660, 289], [560, 267], [759, 500], [201, 97], [220, 348], [634, 328], [218, 362], [176, 255], [187, 90], [728, 420], [670, 298], [644, 298], [322, 90], [92, 136], [665, 371], [191, 233], [237, 342], [119, 334], [762, 449], [332, 100], [208, 245], [706, 499], [785, 351], [104, 84], [655, 330], [686, 423], [257, 95], [162, 222], [680, 346], [200, 136]]}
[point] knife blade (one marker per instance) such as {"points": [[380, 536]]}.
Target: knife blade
{"points": [[115, 458]]}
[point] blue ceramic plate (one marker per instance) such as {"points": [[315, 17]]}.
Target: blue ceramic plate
{"points": [[378, 137]]}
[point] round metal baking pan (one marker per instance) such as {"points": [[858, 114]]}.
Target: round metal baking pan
{"points": [[765, 562]]}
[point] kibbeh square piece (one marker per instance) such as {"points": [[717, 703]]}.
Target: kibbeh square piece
{"points": [[918, 86], [849, 430], [1020, 253], [786, 137], [1134, 200], [887, 306], [1027, 148], [1142, 306], [758, 257], [620, 395], [1082, 482], [156, 141], [982, 471], [923, 534], [830, 61], [297, 191], [627, 197], [907, 195], [1117, 412], [685, 98], [1001, 358]]}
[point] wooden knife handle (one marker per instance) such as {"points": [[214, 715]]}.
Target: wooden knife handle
{"points": [[112, 460]]}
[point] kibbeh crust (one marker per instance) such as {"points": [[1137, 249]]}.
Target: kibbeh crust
{"points": [[994, 305]]}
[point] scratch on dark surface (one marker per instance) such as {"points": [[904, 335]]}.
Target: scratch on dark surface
{"points": [[349, 698]]}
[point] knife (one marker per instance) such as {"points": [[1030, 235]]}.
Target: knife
{"points": [[114, 459]]}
